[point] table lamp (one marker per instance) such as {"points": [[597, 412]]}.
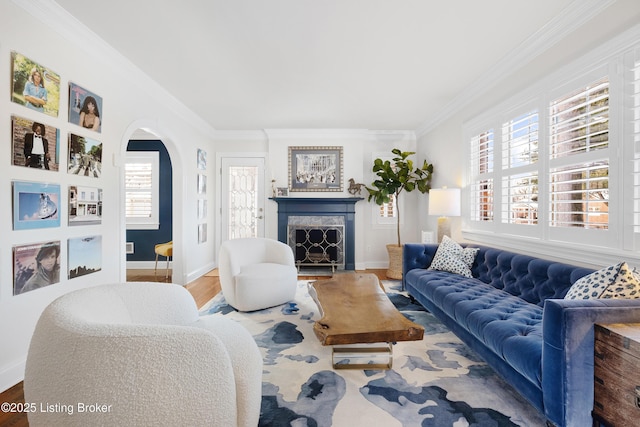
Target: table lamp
{"points": [[444, 202]]}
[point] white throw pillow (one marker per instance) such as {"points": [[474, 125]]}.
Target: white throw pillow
{"points": [[453, 258], [616, 281]]}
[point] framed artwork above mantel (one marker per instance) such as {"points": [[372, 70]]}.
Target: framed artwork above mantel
{"points": [[315, 168]]}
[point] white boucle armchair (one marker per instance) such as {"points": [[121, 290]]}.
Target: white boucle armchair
{"points": [[256, 273], [138, 354]]}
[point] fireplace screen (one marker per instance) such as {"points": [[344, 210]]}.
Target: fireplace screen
{"points": [[318, 245]]}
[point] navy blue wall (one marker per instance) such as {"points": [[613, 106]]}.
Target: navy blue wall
{"points": [[145, 240]]}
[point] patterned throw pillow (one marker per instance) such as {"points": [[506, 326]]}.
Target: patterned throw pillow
{"points": [[453, 258], [616, 281]]}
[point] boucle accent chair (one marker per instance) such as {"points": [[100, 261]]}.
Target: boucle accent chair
{"points": [[256, 273], [141, 355]]}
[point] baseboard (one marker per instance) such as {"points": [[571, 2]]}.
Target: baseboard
{"points": [[148, 265], [12, 375], [200, 272]]}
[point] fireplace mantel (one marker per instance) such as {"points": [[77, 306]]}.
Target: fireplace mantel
{"points": [[311, 206]]}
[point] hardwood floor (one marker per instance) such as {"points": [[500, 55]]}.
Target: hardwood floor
{"points": [[202, 290]]}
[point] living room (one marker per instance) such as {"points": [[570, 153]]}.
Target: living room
{"points": [[561, 56]]}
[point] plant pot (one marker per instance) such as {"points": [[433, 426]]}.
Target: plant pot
{"points": [[395, 261]]}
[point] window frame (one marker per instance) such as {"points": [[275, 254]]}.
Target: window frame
{"points": [[153, 222]]}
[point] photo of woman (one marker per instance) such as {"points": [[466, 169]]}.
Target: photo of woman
{"points": [[35, 86], [85, 108]]}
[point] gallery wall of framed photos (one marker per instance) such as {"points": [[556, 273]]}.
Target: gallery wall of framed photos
{"points": [[60, 186]]}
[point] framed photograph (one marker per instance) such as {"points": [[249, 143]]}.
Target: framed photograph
{"points": [[34, 86], [35, 266], [85, 108], [315, 168], [202, 208], [35, 205], [202, 184], [85, 205], [282, 192], [202, 160], [84, 255], [85, 156], [202, 233], [35, 145]]}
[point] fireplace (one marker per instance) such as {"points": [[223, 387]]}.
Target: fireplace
{"points": [[315, 242], [320, 231]]}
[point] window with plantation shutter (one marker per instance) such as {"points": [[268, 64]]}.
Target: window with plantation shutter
{"points": [[561, 174], [579, 158], [388, 210], [520, 169], [141, 189], [632, 125], [481, 187]]}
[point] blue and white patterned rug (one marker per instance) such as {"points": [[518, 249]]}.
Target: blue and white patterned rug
{"points": [[436, 382]]}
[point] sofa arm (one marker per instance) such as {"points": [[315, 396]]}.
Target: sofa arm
{"points": [[567, 354], [416, 255]]}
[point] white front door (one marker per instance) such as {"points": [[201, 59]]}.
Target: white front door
{"points": [[242, 201]]}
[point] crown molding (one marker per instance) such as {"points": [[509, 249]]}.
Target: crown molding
{"points": [[572, 17], [239, 135], [314, 133], [58, 19]]}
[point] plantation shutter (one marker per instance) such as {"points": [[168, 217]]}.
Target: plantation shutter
{"points": [[579, 158], [519, 161], [481, 186], [141, 189]]}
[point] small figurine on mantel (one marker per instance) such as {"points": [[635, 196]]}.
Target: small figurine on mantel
{"points": [[273, 188], [354, 188]]}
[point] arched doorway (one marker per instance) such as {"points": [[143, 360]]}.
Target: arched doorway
{"points": [[146, 136]]}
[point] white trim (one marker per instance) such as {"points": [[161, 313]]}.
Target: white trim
{"points": [[577, 254]]}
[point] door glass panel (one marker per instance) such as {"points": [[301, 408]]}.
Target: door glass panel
{"points": [[243, 201]]}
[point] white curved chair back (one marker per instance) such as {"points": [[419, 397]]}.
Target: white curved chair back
{"points": [[256, 273], [141, 353]]}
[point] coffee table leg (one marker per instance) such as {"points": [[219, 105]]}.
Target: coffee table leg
{"points": [[362, 356]]}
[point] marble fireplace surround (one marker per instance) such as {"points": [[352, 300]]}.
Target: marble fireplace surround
{"points": [[320, 206]]}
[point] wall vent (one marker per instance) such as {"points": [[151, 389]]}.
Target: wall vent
{"points": [[129, 248]]}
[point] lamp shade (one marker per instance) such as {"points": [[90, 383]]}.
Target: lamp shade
{"points": [[444, 201]]}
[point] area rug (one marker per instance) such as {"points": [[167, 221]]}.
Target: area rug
{"points": [[436, 382]]}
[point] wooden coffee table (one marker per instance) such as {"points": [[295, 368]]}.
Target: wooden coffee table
{"points": [[357, 317]]}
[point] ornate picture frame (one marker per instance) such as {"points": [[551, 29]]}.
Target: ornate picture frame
{"points": [[315, 168]]}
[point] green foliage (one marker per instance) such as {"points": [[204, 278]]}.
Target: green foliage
{"points": [[396, 176]]}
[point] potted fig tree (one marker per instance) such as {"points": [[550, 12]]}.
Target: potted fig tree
{"points": [[393, 178]]}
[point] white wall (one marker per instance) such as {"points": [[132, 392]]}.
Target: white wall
{"points": [[129, 103], [360, 147]]}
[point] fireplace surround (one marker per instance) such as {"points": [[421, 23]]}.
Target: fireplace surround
{"points": [[327, 214]]}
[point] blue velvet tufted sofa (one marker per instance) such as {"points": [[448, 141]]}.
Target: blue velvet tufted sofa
{"points": [[512, 313]]}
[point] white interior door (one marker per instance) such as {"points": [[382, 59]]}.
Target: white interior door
{"points": [[242, 201]]}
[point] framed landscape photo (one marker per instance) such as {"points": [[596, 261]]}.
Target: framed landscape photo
{"points": [[315, 168], [84, 255]]}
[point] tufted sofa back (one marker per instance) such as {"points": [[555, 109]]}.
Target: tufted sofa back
{"points": [[530, 278]]}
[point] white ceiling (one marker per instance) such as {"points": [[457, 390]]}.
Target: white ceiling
{"points": [[266, 64]]}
